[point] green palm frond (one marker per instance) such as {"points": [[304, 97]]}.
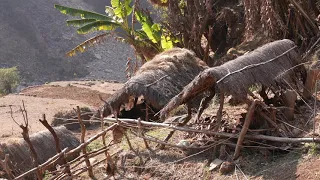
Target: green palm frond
{"points": [[97, 26], [86, 44], [79, 22], [151, 29], [82, 13]]}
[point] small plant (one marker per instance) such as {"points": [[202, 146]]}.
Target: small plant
{"points": [[9, 80], [94, 145], [314, 148], [47, 175]]}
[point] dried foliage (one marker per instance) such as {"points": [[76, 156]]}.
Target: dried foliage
{"points": [[86, 44], [220, 22], [292, 19], [187, 20], [158, 80], [43, 143], [265, 66]]}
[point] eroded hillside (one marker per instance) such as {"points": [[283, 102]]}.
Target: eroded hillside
{"points": [[34, 37]]}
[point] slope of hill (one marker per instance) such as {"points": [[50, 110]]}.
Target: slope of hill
{"points": [[34, 37]]}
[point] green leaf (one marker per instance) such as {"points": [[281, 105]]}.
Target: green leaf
{"points": [[141, 34], [156, 27], [81, 13], [127, 7], [147, 24], [121, 9], [140, 16], [97, 26], [79, 22], [166, 42], [115, 3]]}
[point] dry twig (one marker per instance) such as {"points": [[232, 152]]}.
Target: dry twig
{"points": [[44, 122]]}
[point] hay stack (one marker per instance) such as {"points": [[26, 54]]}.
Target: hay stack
{"points": [[158, 80], [43, 143], [264, 66]]}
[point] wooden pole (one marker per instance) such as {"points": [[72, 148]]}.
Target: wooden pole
{"points": [[221, 134], [84, 149]]}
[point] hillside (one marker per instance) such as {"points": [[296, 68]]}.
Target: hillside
{"points": [[35, 38]]}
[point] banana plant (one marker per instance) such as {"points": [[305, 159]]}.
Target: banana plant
{"points": [[147, 41]]}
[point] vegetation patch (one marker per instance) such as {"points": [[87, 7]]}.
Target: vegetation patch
{"points": [[9, 80]]}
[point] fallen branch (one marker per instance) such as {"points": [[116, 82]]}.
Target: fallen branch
{"points": [[221, 134]]}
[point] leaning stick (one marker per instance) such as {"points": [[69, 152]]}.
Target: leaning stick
{"points": [[84, 149], [179, 124], [245, 128]]}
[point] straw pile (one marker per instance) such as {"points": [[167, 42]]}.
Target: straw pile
{"points": [[158, 80], [43, 143], [264, 66]]}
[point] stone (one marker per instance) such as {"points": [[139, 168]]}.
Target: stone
{"points": [[227, 167], [215, 164]]}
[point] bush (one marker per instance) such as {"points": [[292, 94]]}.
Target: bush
{"points": [[9, 79]]}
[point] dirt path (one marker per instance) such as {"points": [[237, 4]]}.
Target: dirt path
{"points": [[50, 99]]}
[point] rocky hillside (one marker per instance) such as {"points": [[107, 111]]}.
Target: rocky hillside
{"points": [[34, 37]]}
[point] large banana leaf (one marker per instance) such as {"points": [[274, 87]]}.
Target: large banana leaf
{"points": [[115, 3], [82, 13], [166, 42], [88, 43], [121, 9], [152, 30], [97, 26], [79, 22]]}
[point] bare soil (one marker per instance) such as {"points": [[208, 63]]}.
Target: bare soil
{"points": [[50, 99], [298, 163]]}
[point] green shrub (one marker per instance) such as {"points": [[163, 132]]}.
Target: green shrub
{"points": [[9, 79]]}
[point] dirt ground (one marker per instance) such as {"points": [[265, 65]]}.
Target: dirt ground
{"points": [[50, 99], [299, 163]]}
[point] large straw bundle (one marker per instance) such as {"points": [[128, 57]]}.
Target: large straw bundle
{"points": [[263, 66], [159, 79], [44, 144]]}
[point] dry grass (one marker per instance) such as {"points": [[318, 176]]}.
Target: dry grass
{"points": [[43, 143], [158, 80]]}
